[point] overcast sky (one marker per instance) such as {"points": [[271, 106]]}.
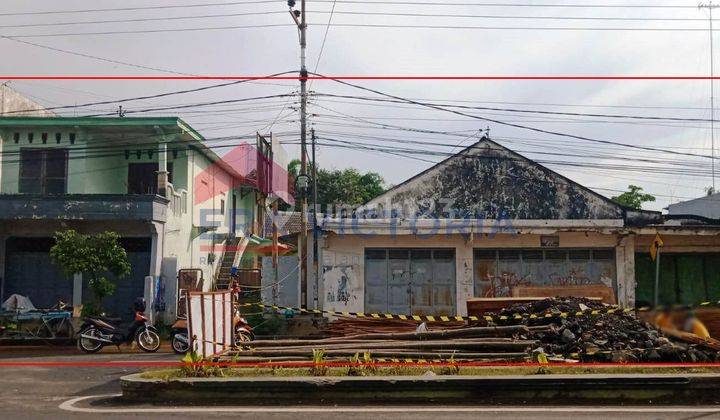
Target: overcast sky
{"points": [[680, 48]]}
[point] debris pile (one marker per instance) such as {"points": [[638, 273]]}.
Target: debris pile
{"points": [[560, 328], [605, 336]]}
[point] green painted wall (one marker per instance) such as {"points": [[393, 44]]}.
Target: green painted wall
{"points": [[90, 170], [684, 278]]}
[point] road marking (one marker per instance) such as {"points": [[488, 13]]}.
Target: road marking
{"points": [[69, 405]]}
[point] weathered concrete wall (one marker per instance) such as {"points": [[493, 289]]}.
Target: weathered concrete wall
{"points": [[489, 181], [343, 261], [12, 102], [287, 292]]}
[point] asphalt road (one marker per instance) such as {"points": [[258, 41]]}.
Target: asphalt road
{"points": [[86, 392]]}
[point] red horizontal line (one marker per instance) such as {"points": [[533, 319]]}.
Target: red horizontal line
{"points": [[341, 77], [346, 364]]}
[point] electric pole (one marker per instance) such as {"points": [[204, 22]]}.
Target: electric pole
{"points": [[316, 265], [299, 18], [710, 6]]}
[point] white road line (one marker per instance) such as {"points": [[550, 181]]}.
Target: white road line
{"points": [[69, 405]]}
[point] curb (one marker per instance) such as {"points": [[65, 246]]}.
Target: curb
{"points": [[656, 389]]}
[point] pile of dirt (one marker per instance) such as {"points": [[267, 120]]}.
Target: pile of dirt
{"points": [[614, 337]]}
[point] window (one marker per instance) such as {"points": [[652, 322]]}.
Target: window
{"points": [[143, 179], [222, 206], [43, 171]]}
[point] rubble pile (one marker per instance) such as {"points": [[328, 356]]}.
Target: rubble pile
{"points": [[609, 337]]}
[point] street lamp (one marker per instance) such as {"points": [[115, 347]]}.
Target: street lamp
{"points": [[302, 184]]}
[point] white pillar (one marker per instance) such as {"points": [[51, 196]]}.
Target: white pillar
{"points": [[625, 267], [463, 276], [162, 169], [77, 290], [149, 295]]}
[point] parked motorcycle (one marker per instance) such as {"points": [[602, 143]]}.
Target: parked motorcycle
{"points": [[179, 334], [97, 332], [180, 343]]}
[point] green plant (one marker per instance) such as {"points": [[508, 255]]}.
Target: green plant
{"points": [[542, 360], [92, 255], [319, 368], [451, 368], [633, 197], [194, 366]]}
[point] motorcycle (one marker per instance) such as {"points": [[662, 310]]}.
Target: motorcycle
{"points": [[181, 344], [179, 341], [97, 332]]}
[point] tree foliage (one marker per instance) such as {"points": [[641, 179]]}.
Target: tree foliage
{"points": [[633, 197], [343, 186], [92, 255]]}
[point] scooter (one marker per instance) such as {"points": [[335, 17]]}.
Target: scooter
{"points": [[97, 332], [180, 343]]}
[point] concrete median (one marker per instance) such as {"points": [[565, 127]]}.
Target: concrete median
{"points": [[657, 389]]}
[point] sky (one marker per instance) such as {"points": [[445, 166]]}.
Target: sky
{"points": [[668, 158]]}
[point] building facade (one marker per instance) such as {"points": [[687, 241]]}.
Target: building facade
{"points": [[488, 220], [154, 181]]}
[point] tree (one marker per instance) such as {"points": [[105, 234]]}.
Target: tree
{"points": [[633, 197], [343, 186], [92, 255]]}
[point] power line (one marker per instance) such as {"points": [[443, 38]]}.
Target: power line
{"points": [[125, 9], [151, 31], [365, 25], [525, 111], [94, 57], [492, 4], [139, 20], [140, 98], [356, 13], [520, 126], [470, 16], [171, 107], [327, 29]]}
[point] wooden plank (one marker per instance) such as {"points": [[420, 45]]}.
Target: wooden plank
{"points": [[590, 290]]}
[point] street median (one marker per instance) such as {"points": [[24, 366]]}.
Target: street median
{"points": [[659, 389]]}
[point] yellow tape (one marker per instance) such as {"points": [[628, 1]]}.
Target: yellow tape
{"points": [[488, 318]]}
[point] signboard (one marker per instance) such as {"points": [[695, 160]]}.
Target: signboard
{"points": [[189, 280]]}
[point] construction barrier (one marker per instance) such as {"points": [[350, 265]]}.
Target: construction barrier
{"points": [[210, 317]]}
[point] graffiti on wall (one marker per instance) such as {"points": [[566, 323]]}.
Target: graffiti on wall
{"points": [[339, 284], [499, 286], [490, 285]]}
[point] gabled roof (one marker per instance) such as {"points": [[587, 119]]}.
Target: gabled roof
{"points": [[487, 180]]}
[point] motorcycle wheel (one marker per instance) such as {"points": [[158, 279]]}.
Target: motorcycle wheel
{"points": [[148, 340], [178, 346], [87, 345], [242, 337]]}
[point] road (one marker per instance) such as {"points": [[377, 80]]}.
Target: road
{"points": [[30, 392]]}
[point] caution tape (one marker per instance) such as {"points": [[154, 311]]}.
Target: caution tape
{"points": [[484, 317]]}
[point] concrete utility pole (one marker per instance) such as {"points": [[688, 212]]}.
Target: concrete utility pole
{"points": [[316, 265], [710, 6], [303, 178]]}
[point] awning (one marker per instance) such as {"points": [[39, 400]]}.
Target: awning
{"points": [[264, 246]]}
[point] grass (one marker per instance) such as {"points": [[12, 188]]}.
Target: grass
{"points": [[246, 372]]}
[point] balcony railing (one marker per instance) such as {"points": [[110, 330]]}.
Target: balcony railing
{"points": [[83, 207]]}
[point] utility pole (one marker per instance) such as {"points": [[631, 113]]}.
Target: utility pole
{"points": [[299, 18], [710, 6], [316, 265]]}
